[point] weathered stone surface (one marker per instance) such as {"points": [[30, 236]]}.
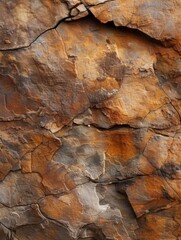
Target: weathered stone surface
{"points": [[49, 229], [166, 225], [17, 183], [90, 138], [21, 22], [5, 233], [158, 19], [20, 216]]}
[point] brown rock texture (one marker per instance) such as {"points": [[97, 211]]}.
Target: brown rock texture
{"points": [[90, 107]]}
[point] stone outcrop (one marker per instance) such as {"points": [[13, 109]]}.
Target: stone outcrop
{"points": [[90, 106]]}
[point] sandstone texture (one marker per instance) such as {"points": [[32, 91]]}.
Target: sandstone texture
{"points": [[90, 132]]}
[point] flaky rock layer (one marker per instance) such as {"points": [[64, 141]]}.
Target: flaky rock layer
{"points": [[90, 112]]}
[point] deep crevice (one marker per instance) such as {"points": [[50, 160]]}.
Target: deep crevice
{"points": [[110, 24]]}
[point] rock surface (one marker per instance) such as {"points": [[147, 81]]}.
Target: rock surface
{"points": [[90, 106]]}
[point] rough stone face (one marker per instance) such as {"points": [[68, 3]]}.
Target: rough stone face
{"points": [[159, 19], [21, 22], [90, 137]]}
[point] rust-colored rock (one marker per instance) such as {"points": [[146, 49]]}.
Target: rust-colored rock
{"points": [[159, 19], [90, 137], [21, 22]]}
